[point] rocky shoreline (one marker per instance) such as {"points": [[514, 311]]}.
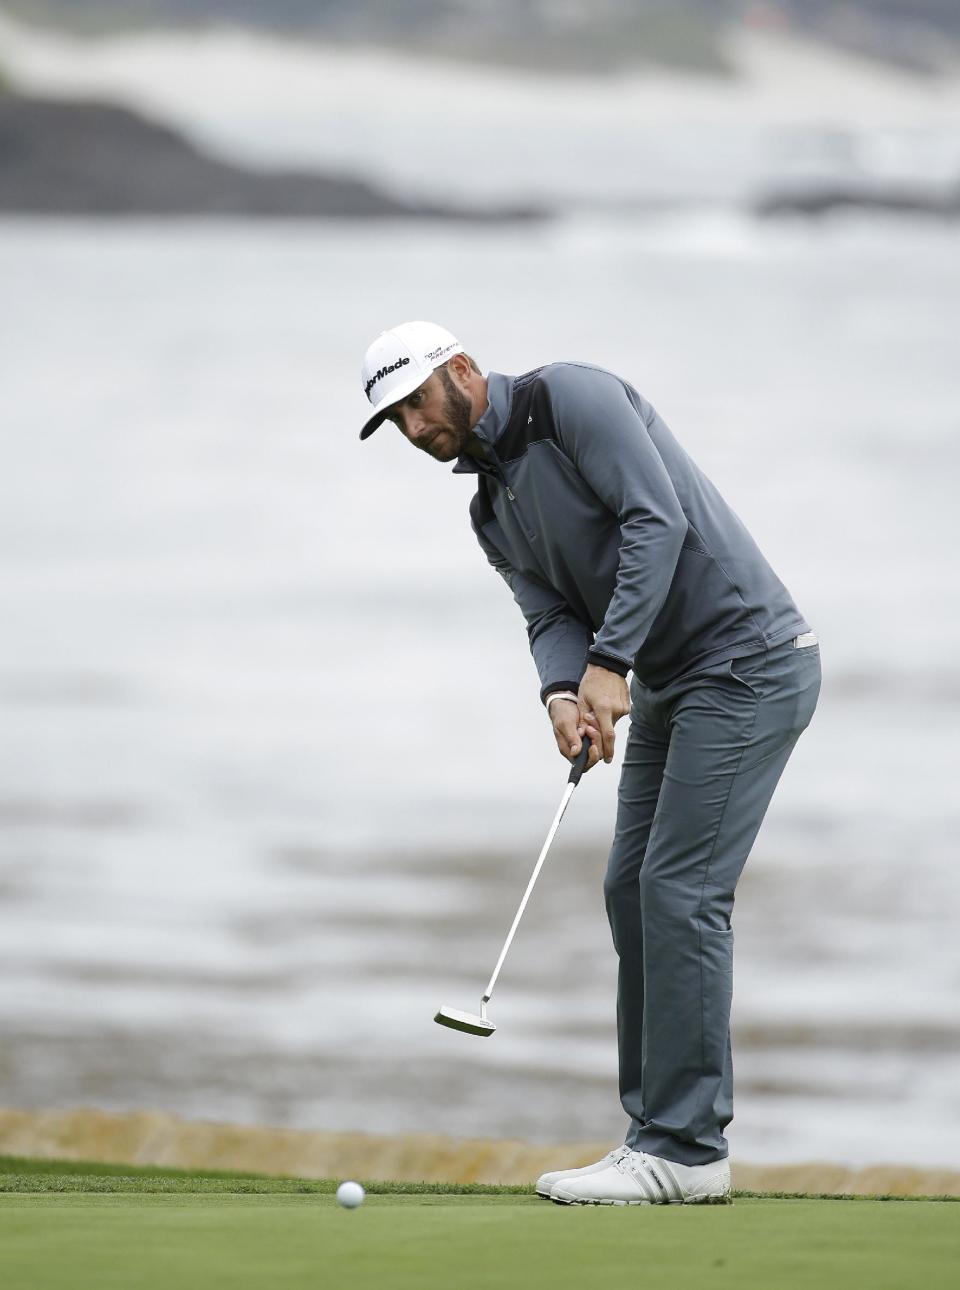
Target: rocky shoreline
{"points": [[65, 157], [90, 158]]}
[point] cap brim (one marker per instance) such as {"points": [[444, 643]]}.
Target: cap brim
{"points": [[383, 407], [375, 421]]}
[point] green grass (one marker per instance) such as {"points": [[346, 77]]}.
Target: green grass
{"points": [[164, 1228], [24, 1175]]}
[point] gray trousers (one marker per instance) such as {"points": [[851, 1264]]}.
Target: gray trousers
{"points": [[703, 757]]}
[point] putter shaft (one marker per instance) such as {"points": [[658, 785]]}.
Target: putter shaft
{"points": [[482, 1025], [575, 774]]}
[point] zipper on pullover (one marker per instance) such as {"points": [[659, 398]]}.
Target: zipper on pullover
{"points": [[497, 471]]}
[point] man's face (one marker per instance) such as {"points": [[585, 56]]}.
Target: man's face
{"points": [[435, 417]]}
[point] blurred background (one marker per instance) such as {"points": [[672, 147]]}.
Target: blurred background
{"points": [[274, 767]]}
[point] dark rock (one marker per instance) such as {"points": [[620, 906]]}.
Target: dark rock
{"points": [[825, 200]]}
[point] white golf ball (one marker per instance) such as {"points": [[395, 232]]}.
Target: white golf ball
{"points": [[350, 1195]]}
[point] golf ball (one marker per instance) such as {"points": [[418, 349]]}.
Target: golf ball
{"points": [[350, 1195]]}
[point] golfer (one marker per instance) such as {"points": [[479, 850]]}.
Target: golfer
{"points": [[624, 557]]}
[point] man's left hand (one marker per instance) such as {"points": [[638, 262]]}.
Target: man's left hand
{"points": [[604, 698]]}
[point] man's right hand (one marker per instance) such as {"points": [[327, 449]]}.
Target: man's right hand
{"points": [[570, 724]]}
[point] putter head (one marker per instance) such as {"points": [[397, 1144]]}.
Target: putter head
{"points": [[468, 1022]]}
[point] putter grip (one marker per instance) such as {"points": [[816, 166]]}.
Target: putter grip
{"points": [[580, 765]]}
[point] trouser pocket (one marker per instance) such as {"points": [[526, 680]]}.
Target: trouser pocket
{"points": [[749, 672]]}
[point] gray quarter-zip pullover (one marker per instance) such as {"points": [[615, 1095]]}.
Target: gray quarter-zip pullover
{"points": [[617, 548]]}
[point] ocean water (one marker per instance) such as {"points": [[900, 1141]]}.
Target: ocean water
{"points": [[273, 770]]}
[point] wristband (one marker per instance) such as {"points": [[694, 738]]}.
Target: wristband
{"points": [[561, 694]]}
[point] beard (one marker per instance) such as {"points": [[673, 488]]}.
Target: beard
{"points": [[456, 413]]}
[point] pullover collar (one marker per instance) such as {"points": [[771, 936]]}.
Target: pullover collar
{"points": [[492, 424]]}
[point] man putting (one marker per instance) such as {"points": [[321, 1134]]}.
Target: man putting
{"points": [[623, 556]]}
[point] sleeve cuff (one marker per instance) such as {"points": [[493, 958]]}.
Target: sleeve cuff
{"points": [[608, 661]]}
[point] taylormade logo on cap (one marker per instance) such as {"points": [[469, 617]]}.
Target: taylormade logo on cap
{"points": [[399, 361], [378, 376]]}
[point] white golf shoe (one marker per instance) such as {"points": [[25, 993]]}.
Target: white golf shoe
{"points": [[545, 1181], [635, 1178]]}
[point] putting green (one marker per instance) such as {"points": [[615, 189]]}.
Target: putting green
{"points": [[76, 1241]]}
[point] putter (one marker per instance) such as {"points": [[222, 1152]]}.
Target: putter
{"points": [[469, 1022]]}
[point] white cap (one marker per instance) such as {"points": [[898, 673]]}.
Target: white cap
{"points": [[399, 361]]}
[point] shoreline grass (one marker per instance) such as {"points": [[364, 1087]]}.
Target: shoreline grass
{"points": [[29, 1175]]}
